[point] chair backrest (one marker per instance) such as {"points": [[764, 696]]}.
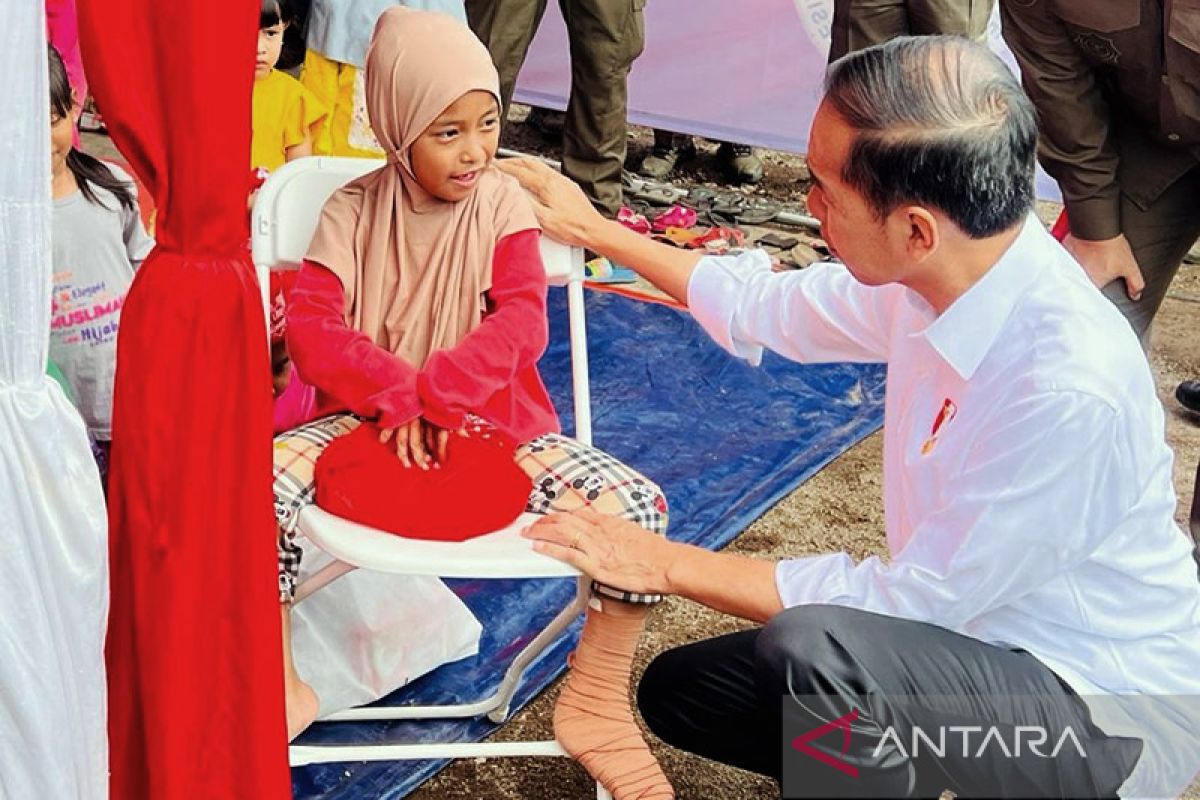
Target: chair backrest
{"points": [[289, 204]]}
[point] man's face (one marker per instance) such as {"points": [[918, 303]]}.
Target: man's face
{"points": [[848, 224]]}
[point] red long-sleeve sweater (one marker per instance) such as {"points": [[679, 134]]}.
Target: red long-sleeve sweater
{"points": [[492, 372]]}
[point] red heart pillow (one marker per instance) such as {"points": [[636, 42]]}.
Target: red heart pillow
{"points": [[477, 490]]}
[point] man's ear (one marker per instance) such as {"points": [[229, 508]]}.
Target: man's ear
{"points": [[923, 235]]}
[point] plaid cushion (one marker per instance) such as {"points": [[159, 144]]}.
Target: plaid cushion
{"points": [[568, 475], [295, 456]]}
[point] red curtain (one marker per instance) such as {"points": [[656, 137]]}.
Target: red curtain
{"points": [[194, 660]]}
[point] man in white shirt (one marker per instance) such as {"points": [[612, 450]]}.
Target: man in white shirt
{"points": [[1038, 587]]}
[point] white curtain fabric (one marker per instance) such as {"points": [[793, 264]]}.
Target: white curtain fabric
{"points": [[53, 553]]}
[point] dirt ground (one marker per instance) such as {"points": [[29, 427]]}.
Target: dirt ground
{"points": [[838, 509]]}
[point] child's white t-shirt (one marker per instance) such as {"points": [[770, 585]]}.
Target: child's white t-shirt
{"points": [[97, 247]]}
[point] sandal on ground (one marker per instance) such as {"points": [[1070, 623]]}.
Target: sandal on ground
{"points": [[757, 211], [698, 197], [659, 194], [680, 237], [601, 270], [718, 239], [676, 216], [633, 220]]}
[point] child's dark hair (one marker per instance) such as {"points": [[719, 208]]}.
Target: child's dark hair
{"points": [[272, 12], [284, 12], [88, 171]]}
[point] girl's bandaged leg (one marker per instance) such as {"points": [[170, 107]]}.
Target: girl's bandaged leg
{"points": [[593, 719]]}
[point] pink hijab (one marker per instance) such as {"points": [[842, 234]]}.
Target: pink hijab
{"points": [[414, 268]]}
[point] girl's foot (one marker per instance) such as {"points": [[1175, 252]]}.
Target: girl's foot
{"points": [[593, 719]]}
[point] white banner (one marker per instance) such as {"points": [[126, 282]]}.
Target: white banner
{"points": [[747, 72]]}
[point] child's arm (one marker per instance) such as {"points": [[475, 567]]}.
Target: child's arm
{"points": [[510, 339], [344, 363], [138, 243], [299, 150]]}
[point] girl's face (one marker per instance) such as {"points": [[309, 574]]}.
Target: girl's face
{"points": [[61, 135], [270, 43], [449, 156]]}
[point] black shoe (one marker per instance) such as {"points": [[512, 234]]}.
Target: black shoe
{"points": [[1188, 395], [662, 159], [548, 122], [740, 163]]}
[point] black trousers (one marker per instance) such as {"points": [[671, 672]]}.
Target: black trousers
{"points": [[870, 682]]}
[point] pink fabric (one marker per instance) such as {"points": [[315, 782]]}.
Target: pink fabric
{"points": [[62, 30], [296, 406], [492, 372]]}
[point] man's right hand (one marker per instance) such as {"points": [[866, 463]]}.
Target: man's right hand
{"points": [[418, 442], [1105, 260]]}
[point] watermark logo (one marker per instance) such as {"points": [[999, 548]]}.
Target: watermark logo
{"points": [[992, 742], [842, 723], [954, 741], [930, 744]]}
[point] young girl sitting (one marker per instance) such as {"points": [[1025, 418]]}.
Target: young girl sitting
{"points": [[422, 306], [98, 243], [288, 121]]}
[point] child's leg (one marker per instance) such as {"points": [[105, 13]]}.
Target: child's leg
{"points": [[593, 719], [302, 701], [568, 475], [295, 454]]}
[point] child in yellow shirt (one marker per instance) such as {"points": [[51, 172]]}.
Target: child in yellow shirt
{"points": [[288, 120]]}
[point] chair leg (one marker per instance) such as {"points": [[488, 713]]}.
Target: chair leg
{"points": [[512, 677], [580, 387], [322, 578]]}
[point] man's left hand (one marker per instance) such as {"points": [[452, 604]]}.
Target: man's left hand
{"points": [[613, 551], [1106, 260]]}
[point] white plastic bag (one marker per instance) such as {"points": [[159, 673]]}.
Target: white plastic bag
{"points": [[369, 633]]}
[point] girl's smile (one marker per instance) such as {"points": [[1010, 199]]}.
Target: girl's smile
{"points": [[466, 179]]}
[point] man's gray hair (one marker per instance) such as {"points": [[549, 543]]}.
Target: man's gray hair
{"points": [[942, 122]]}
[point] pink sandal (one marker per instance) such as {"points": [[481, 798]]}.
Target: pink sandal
{"points": [[676, 216], [633, 220]]}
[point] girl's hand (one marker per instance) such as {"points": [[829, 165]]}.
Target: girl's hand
{"points": [[418, 442]]}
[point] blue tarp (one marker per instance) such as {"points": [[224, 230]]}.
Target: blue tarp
{"points": [[724, 440]]}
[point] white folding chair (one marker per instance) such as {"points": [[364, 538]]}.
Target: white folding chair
{"points": [[285, 215]]}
